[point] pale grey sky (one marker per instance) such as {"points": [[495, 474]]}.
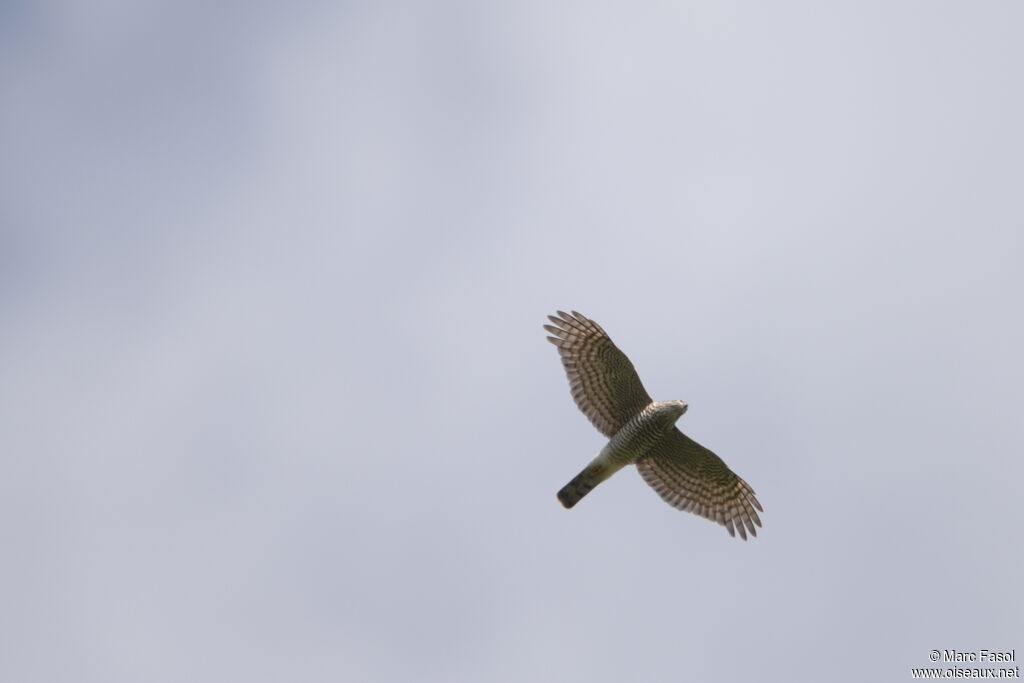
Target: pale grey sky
{"points": [[276, 400]]}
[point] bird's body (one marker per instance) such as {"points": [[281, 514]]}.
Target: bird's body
{"points": [[607, 389], [632, 442]]}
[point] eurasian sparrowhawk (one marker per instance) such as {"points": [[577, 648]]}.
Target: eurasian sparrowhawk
{"points": [[607, 389]]}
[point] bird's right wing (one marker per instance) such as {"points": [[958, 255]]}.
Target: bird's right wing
{"points": [[604, 383], [692, 478]]}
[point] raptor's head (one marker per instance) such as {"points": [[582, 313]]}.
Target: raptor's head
{"points": [[675, 408]]}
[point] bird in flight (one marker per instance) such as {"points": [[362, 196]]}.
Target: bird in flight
{"points": [[608, 391]]}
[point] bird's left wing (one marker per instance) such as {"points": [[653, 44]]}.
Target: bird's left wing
{"points": [[692, 478]]}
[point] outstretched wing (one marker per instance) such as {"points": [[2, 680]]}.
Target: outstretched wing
{"points": [[603, 381], [692, 478]]}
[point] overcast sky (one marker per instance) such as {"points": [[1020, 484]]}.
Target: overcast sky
{"points": [[275, 400]]}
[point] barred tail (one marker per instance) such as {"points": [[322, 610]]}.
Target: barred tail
{"points": [[582, 484], [599, 469]]}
